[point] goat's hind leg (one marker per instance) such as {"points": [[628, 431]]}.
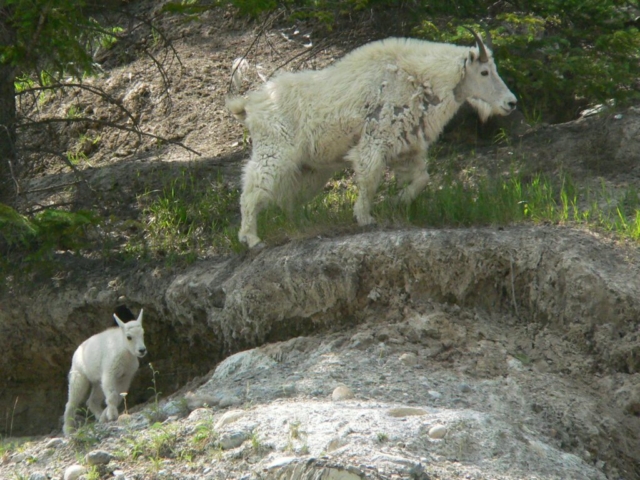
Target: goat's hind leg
{"points": [[78, 388], [268, 177]]}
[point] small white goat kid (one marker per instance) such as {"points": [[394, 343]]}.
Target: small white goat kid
{"points": [[106, 362]]}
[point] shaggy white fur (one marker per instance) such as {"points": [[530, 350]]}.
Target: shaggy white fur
{"points": [[379, 106], [106, 362]]}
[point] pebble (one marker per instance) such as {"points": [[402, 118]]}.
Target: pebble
{"points": [[342, 392], [288, 389], [406, 412], [54, 443], [38, 476], [437, 431], [335, 443], [18, 457], [409, 359], [200, 414], [119, 475], [73, 472], [464, 388], [280, 462], [229, 417], [98, 457], [435, 395], [233, 440]]}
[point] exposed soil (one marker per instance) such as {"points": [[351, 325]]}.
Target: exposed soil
{"points": [[522, 342]]}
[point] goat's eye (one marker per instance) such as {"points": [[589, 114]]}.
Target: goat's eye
{"points": [[128, 337], [484, 73]]}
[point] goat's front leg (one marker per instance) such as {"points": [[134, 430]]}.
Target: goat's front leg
{"points": [[369, 164], [413, 171], [112, 397]]}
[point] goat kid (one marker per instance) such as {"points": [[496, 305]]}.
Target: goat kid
{"points": [[106, 363]]}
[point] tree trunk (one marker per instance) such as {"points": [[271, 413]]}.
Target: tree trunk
{"points": [[7, 111]]}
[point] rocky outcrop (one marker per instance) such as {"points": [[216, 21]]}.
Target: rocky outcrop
{"points": [[572, 282]]}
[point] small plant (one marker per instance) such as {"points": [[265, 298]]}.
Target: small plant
{"points": [[85, 435], [382, 437], [154, 413], [93, 473], [203, 436], [110, 37], [294, 430], [163, 442]]}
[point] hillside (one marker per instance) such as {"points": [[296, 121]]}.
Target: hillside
{"points": [[490, 352]]}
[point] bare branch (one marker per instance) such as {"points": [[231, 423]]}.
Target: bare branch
{"points": [[265, 24], [96, 91], [119, 126]]}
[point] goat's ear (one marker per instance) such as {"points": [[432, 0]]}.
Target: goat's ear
{"points": [[140, 316], [472, 56], [118, 321]]}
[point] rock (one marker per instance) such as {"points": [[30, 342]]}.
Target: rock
{"points": [[409, 359], [437, 431], [362, 340], [434, 395], [200, 400], [229, 417], [38, 476], [280, 462], [336, 443], [464, 388], [73, 472], [55, 443], [18, 457], [229, 401], [200, 414], [233, 439], [176, 408], [288, 389], [98, 457], [124, 419], [406, 412], [341, 392], [249, 360]]}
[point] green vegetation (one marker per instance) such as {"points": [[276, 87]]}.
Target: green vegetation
{"points": [[190, 215], [558, 56], [35, 239]]}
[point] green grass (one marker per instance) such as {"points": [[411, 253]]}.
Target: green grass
{"points": [[186, 221], [450, 202], [190, 216]]}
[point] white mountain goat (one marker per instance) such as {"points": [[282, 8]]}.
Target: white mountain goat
{"points": [[380, 106], [106, 362]]}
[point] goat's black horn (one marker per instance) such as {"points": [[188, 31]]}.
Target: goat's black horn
{"points": [[484, 57]]}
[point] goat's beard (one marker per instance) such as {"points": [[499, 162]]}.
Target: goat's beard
{"points": [[483, 108]]}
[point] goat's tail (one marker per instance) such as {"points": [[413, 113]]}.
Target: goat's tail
{"points": [[236, 105]]}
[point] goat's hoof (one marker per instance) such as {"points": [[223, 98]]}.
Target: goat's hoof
{"points": [[258, 247]]}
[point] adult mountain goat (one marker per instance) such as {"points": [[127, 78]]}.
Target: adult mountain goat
{"points": [[106, 362], [380, 106]]}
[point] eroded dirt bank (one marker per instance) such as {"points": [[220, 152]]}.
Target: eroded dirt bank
{"points": [[522, 342], [579, 286]]}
